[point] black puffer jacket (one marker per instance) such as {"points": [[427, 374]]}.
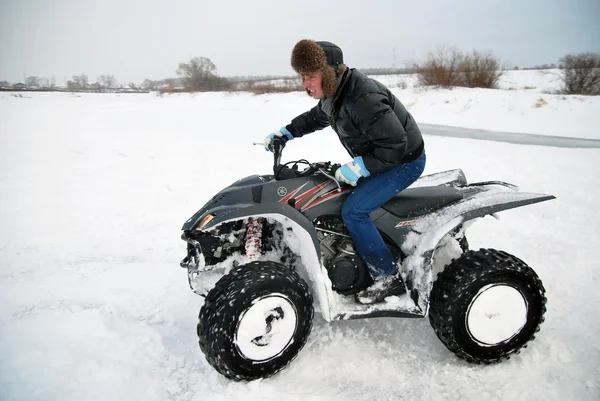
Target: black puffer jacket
{"points": [[370, 122]]}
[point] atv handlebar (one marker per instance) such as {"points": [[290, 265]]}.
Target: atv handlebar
{"points": [[283, 172], [278, 145]]}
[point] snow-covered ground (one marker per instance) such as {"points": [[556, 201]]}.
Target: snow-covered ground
{"points": [[94, 189]]}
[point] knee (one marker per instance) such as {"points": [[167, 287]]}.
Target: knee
{"points": [[347, 212], [351, 214]]}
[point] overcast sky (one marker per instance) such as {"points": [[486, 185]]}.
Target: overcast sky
{"points": [[138, 39]]}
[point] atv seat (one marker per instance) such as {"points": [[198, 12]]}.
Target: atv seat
{"points": [[418, 201]]}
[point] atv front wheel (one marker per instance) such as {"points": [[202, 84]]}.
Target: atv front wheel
{"points": [[486, 305], [255, 320]]}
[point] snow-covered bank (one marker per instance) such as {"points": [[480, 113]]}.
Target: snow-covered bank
{"points": [[525, 103], [93, 304], [506, 111]]}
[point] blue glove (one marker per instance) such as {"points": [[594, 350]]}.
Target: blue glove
{"points": [[283, 134], [351, 172]]}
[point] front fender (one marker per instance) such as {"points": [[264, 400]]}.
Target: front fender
{"points": [[301, 238], [235, 212]]}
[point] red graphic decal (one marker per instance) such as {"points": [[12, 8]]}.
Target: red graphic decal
{"points": [[314, 196], [325, 197], [306, 195]]}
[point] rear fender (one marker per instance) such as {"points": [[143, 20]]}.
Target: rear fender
{"points": [[451, 178], [426, 234]]}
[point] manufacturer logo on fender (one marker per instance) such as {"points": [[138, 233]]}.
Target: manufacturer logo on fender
{"points": [[282, 191]]}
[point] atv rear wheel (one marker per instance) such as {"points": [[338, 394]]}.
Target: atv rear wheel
{"points": [[255, 320], [486, 305]]}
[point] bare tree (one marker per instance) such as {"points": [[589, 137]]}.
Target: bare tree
{"points": [[199, 74], [150, 85], [108, 81], [440, 68], [101, 82], [581, 73], [32, 82], [449, 67], [81, 81], [171, 82], [4, 84], [479, 70]]}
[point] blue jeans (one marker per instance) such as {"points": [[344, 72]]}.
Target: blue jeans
{"points": [[368, 196]]}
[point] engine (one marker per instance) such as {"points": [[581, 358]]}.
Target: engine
{"points": [[347, 271]]}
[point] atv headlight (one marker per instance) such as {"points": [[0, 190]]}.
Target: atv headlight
{"points": [[204, 221]]}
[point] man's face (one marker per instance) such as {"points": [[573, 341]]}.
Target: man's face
{"points": [[313, 84]]}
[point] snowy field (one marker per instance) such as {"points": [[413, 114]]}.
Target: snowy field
{"points": [[94, 189]]}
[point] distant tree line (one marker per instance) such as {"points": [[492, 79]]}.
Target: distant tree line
{"points": [[540, 67], [81, 82], [445, 67], [77, 83]]}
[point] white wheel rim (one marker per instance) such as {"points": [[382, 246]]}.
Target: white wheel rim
{"points": [[266, 328], [496, 314]]}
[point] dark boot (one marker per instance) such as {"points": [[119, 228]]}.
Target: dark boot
{"points": [[382, 288]]}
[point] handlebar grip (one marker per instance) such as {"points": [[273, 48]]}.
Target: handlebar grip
{"points": [[334, 168]]}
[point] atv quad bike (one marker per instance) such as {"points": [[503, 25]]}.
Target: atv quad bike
{"points": [[266, 248]]}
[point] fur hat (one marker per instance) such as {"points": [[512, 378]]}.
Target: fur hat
{"points": [[309, 57]]}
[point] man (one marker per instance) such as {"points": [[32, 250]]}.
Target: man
{"points": [[378, 132]]}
